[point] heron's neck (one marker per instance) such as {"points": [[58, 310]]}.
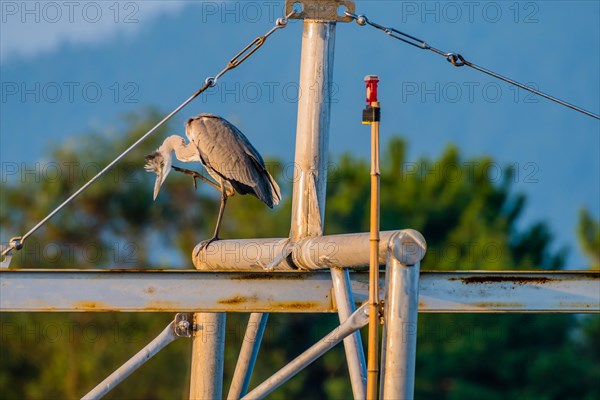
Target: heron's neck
{"points": [[183, 151]]}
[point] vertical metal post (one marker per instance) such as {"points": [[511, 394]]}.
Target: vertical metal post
{"points": [[312, 132], [400, 331], [248, 353], [207, 356], [355, 355], [310, 175]]}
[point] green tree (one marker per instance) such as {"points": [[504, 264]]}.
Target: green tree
{"points": [[468, 218], [589, 330], [109, 226], [469, 221], [588, 231]]}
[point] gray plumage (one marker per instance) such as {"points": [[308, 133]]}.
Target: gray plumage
{"points": [[227, 155]]}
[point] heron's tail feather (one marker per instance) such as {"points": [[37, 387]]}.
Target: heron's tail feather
{"points": [[275, 191]]}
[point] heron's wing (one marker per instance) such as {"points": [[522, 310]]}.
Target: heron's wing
{"points": [[226, 152]]}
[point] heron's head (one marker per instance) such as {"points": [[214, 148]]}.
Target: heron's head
{"points": [[159, 162]]}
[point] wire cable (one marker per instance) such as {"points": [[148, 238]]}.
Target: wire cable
{"points": [[459, 61], [16, 243]]}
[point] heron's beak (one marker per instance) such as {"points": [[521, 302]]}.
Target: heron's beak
{"points": [[157, 185], [160, 164], [161, 175]]}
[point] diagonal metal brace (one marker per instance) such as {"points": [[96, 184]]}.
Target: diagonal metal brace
{"points": [[357, 320], [173, 331]]}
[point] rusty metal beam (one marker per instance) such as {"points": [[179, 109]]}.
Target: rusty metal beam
{"points": [[188, 291], [172, 291], [503, 291]]}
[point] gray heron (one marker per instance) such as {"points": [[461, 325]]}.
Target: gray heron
{"points": [[227, 155]]}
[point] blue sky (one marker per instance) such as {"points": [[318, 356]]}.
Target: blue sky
{"points": [[67, 68]]}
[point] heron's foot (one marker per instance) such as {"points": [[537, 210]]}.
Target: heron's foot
{"points": [[195, 175], [269, 267], [204, 245]]}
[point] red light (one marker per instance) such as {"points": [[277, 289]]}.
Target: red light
{"points": [[372, 81]]}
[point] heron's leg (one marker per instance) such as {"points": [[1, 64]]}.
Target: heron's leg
{"points": [[221, 211], [195, 175], [215, 237]]}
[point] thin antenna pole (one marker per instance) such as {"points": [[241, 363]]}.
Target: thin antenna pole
{"points": [[371, 115]]}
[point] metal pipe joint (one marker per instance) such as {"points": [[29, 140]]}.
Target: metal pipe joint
{"points": [[321, 252], [408, 247]]}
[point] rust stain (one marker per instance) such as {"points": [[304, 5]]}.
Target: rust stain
{"points": [[161, 305], [576, 305], [92, 305], [150, 290], [517, 280], [496, 305], [136, 270], [298, 305], [271, 276], [238, 300]]}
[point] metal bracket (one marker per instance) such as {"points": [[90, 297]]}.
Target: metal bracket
{"points": [[6, 256], [15, 243], [183, 325], [381, 311], [320, 10]]}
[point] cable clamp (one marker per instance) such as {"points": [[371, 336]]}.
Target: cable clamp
{"points": [[455, 59], [15, 243]]}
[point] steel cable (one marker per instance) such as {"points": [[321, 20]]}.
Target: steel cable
{"points": [[16, 243], [459, 61]]}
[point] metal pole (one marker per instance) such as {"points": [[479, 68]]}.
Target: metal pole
{"points": [[248, 354], [356, 321], [400, 331], [312, 131], [310, 183], [161, 341], [207, 356], [371, 116], [355, 355]]}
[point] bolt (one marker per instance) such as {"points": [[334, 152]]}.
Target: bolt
{"points": [[183, 325]]}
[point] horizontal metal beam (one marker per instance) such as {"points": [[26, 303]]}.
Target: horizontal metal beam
{"points": [[507, 291], [173, 291], [189, 291]]}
